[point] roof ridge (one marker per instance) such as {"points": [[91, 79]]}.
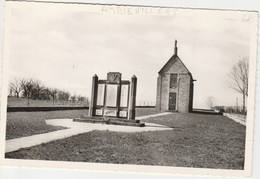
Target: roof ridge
{"points": [[173, 57]]}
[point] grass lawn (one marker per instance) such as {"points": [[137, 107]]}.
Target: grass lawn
{"points": [[197, 140], [21, 124]]}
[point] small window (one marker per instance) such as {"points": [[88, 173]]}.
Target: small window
{"points": [[173, 80]]}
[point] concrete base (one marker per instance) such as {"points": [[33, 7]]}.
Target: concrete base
{"points": [[114, 121]]}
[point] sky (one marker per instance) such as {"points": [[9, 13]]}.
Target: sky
{"points": [[65, 45]]}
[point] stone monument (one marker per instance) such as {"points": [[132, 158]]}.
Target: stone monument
{"points": [[113, 100], [113, 97]]}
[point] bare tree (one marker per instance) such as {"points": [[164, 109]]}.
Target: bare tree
{"points": [[73, 99], [27, 86], [238, 79], [63, 96], [16, 87], [81, 98], [53, 93], [46, 93], [211, 102], [37, 89]]}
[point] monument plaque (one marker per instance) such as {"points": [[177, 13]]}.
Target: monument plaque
{"points": [[123, 113], [108, 112], [111, 96], [114, 77], [100, 94], [99, 112], [124, 96]]}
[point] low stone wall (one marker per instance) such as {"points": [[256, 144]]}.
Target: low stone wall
{"points": [[235, 118], [33, 109]]}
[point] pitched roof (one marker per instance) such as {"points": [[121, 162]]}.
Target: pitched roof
{"points": [[171, 62]]}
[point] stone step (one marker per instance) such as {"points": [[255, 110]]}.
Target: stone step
{"points": [[113, 121], [125, 120]]}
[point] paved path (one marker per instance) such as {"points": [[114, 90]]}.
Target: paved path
{"points": [[236, 118], [75, 128]]}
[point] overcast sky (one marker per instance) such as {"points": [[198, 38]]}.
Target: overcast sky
{"points": [[64, 47]]}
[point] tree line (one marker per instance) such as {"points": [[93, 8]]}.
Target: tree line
{"points": [[36, 90]]}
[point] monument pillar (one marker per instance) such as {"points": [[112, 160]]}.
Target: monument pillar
{"points": [[132, 98], [93, 95]]}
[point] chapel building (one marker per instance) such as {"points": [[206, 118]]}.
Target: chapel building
{"points": [[174, 86]]}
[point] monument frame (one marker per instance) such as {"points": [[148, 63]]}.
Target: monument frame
{"points": [[113, 97]]}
